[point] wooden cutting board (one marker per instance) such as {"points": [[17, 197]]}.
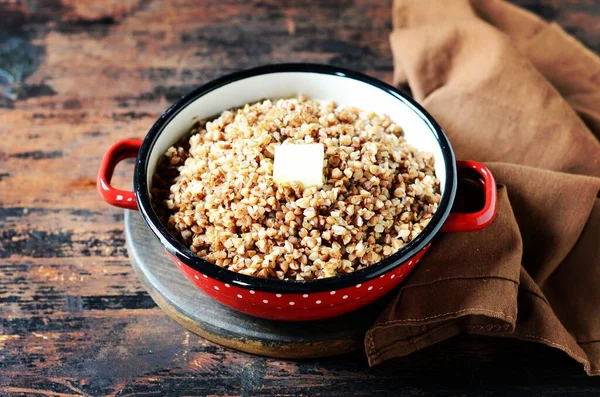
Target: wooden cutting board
{"points": [[200, 314]]}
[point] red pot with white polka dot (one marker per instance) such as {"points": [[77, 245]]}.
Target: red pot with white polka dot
{"points": [[310, 299], [310, 305]]}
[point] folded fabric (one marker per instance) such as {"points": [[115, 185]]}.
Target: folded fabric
{"points": [[522, 96]]}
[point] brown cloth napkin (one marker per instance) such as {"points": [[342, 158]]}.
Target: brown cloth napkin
{"points": [[522, 96]]}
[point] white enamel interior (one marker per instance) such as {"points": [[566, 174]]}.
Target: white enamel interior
{"points": [[342, 90]]}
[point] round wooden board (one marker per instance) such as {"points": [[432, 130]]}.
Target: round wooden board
{"points": [[200, 314]]}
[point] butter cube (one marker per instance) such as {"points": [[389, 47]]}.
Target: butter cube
{"points": [[300, 163]]}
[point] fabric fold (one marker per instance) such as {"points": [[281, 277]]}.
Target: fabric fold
{"points": [[522, 96]]}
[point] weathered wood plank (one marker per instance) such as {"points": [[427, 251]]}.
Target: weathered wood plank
{"points": [[168, 362], [74, 319], [34, 233]]}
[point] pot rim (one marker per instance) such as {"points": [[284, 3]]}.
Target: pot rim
{"points": [[183, 254]]}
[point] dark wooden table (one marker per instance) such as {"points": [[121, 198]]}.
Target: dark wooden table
{"points": [[74, 319]]}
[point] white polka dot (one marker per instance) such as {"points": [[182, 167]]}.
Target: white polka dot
{"points": [[292, 303], [358, 285], [227, 285], [410, 263], [196, 277], [345, 297], [178, 264], [393, 276], [217, 288], [278, 295], [332, 292], [252, 292], [265, 301], [239, 296], [305, 296], [382, 276], [318, 302], [205, 276], [370, 288]]}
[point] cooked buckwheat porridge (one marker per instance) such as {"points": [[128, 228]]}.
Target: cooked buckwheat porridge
{"points": [[215, 192]]}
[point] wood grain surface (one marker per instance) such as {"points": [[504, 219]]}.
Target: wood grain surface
{"points": [[78, 75]]}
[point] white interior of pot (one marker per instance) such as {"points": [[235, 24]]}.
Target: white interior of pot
{"points": [[342, 90]]}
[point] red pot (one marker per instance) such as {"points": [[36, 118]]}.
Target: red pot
{"points": [[312, 299]]}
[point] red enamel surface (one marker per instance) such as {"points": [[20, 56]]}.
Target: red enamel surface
{"points": [[300, 307], [459, 222], [117, 152]]}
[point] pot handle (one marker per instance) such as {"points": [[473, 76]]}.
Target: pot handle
{"points": [[118, 152], [469, 222]]}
